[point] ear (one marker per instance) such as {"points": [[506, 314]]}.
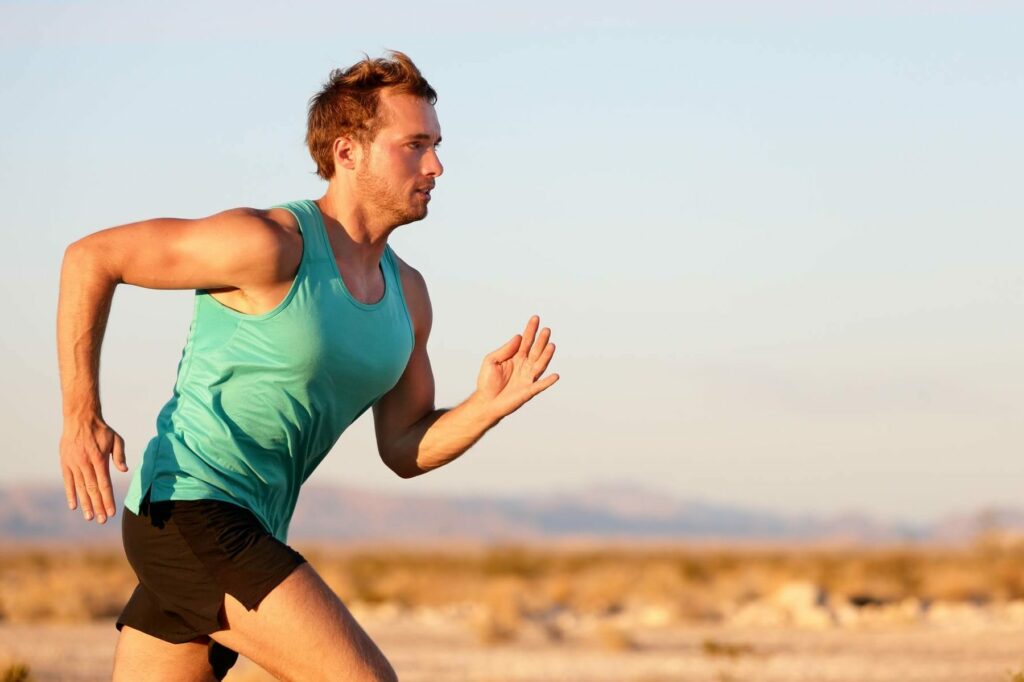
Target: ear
{"points": [[345, 151]]}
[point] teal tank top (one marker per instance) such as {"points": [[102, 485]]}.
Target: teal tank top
{"points": [[260, 399]]}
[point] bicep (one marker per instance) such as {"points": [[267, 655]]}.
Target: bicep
{"points": [[229, 249], [412, 398]]}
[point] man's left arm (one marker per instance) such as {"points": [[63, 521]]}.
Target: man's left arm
{"points": [[412, 436]]}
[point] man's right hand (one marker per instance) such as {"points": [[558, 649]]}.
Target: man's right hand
{"points": [[85, 447]]}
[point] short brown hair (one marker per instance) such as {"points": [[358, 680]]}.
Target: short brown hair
{"points": [[347, 104]]}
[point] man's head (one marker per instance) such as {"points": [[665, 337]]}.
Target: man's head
{"points": [[374, 125]]}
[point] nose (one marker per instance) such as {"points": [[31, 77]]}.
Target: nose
{"points": [[432, 164]]}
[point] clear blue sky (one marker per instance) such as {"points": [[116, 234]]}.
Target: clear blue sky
{"points": [[780, 248]]}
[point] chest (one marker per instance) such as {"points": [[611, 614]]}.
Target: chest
{"points": [[326, 339]]}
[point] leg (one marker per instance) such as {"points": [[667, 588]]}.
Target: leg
{"points": [[302, 631], [141, 657]]}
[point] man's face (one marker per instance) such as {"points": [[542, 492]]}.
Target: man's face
{"points": [[397, 170]]}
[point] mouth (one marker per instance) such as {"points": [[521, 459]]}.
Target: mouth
{"points": [[424, 193]]}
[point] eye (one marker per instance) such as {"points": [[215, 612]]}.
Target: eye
{"points": [[414, 145]]}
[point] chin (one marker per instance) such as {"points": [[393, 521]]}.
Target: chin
{"points": [[412, 216], [417, 214]]}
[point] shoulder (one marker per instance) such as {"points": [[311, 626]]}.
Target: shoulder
{"points": [[271, 235], [417, 299], [277, 224], [412, 279], [253, 227]]}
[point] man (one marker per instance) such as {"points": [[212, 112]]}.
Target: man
{"points": [[304, 319]]}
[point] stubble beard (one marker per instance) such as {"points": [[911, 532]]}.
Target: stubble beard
{"points": [[387, 202]]}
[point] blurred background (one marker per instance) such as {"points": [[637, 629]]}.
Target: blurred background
{"points": [[778, 245]]}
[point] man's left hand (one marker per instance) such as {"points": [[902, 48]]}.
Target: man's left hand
{"points": [[510, 376]]}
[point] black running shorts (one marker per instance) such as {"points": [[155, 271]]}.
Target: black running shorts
{"points": [[187, 555]]}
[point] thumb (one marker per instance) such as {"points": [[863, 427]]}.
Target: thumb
{"points": [[119, 458], [508, 350]]}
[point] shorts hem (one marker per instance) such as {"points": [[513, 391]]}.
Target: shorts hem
{"points": [[253, 601], [170, 638]]}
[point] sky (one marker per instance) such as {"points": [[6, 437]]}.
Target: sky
{"points": [[779, 244]]}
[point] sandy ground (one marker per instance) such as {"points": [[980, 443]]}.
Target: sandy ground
{"points": [[431, 649]]}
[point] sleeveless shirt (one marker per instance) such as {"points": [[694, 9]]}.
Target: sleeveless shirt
{"points": [[259, 400]]}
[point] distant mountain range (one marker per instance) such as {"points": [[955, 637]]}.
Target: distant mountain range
{"points": [[608, 512]]}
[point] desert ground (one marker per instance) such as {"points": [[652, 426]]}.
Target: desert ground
{"points": [[630, 614]]}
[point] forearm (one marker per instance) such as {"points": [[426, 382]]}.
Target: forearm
{"points": [[440, 437], [86, 292]]}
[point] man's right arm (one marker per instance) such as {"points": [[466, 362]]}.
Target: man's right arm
{"points": [[235, 249]]}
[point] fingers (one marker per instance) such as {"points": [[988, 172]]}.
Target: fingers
{"points": [[119, 459], [92, 489], [544, 384], [83, 496], [106, 492], [529, 334], [540, 365], [69, 488], [541, 344]]}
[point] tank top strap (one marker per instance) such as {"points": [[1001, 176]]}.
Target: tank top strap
{"points": [[390, 268], [314, 237]]}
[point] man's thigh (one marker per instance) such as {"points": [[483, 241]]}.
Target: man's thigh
{"points": [[302, 631], [143, 658]]}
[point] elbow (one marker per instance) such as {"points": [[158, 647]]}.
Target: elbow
{"points": [[86, 247], [79, 253], [398, 465], [86, 255], [76, 257], [411, 471], [407, 473], [76, 251]]}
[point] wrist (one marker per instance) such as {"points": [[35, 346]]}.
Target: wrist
{"points": [[481, 409], [79, 413]]}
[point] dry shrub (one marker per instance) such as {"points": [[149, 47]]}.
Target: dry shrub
{"points": [[1007, 579], [693, 605], [491, 630], [502, 613], [405, 578], [515, 560], [556, 590], [714, 647], [14, 671], [339, 580], [602, 589], [694, 570], [657, 581], [615, 637], [64, 586], [552, 632], [957, 582]]}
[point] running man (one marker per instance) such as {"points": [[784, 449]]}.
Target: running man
{"points": [[304, 318]]}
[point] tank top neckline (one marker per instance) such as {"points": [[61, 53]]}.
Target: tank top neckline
{"points": [[329, 254]]}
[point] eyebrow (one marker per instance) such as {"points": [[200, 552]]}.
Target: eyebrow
{"points": [[423, 136]]}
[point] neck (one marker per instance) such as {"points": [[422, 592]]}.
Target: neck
{"points": [[358, 234]]}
